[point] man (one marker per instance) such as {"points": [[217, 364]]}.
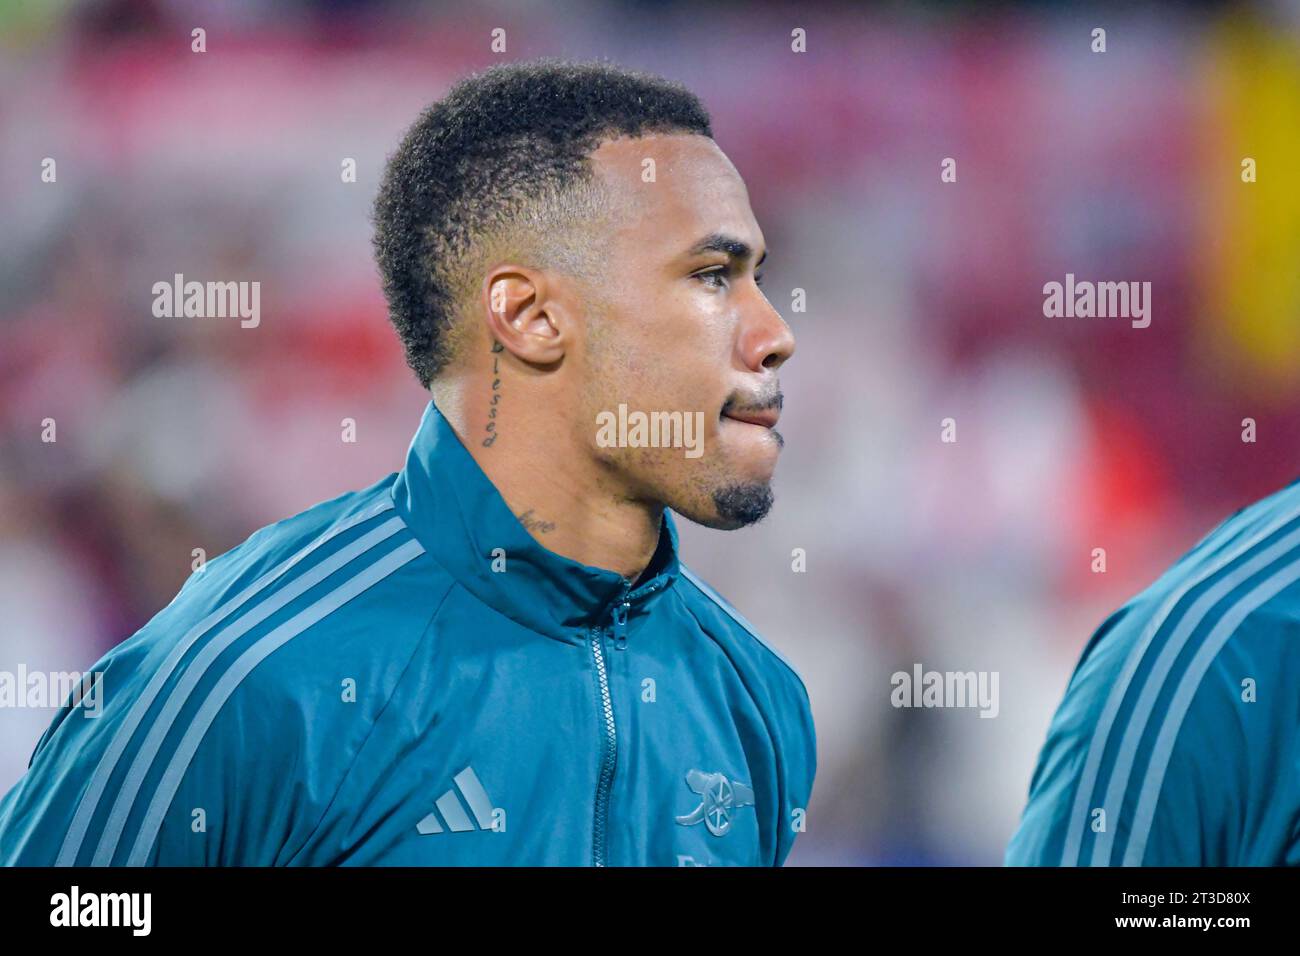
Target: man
{"points": [[1176, 742], [493, 656]]}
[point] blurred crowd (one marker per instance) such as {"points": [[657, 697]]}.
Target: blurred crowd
{"points": [[924, 303]]}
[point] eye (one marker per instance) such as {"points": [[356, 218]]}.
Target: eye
{"points": [[714, 278]]}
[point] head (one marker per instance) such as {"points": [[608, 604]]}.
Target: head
{"points": [[558, 240]]}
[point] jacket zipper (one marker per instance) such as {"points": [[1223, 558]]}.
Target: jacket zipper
{"points": [[606, 705], [605, 702]]}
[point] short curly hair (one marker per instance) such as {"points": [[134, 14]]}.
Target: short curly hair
{"points": [[503, 163]]}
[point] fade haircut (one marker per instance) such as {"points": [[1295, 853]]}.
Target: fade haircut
{"points": [[502, 167]]}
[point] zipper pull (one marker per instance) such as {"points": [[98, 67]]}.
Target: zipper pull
{"points": [[620, 626]]}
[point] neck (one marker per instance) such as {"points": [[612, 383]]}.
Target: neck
{"points": [[547, 476]]}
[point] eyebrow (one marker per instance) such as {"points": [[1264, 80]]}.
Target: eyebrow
{"points": [[728, 245]]}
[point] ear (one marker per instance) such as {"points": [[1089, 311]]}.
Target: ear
{"points": [[520, 316]]}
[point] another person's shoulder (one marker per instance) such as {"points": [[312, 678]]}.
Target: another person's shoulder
{"points": [[1178, 708], [1233, 582]]}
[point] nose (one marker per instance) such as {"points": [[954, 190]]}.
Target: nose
{"points": [[766, 342]]}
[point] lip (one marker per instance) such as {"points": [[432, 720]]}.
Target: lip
{"points": [[767, 418]]}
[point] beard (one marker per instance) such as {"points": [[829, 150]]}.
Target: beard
{"points": [[720, 502], [743, 504], [720, 499]]}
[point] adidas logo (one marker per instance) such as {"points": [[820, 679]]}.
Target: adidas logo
{"points": [[453, 813]]}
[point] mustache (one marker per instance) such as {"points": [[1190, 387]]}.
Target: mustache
{"points": [[772, 398]]}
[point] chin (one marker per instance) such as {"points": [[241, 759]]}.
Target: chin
{"points": [[740, 505]]}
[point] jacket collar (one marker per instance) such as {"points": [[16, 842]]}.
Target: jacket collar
{"points": [[460, 518]]}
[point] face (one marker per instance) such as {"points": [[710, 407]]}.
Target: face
{"points": [[679, 324]]}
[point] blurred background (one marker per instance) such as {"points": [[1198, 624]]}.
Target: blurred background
{"points": [[924, 302]]}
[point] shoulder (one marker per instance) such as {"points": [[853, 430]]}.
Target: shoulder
{"points": [[778, 689], [263, 677], [336, 596], [772, 680], [297, 542], [302, 573], [248, 696], [726, 624]]}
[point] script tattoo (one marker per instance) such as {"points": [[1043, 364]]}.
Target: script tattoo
{"points": [[535, 524], [496, 397]]}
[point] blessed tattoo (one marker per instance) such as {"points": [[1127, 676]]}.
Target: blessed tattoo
{"points": [[496, 396]]}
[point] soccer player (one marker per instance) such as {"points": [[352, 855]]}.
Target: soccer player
{"points": [[494, 656], [1176, 743]]}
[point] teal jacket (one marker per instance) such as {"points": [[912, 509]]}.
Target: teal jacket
{"points": [[404, 676]]}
